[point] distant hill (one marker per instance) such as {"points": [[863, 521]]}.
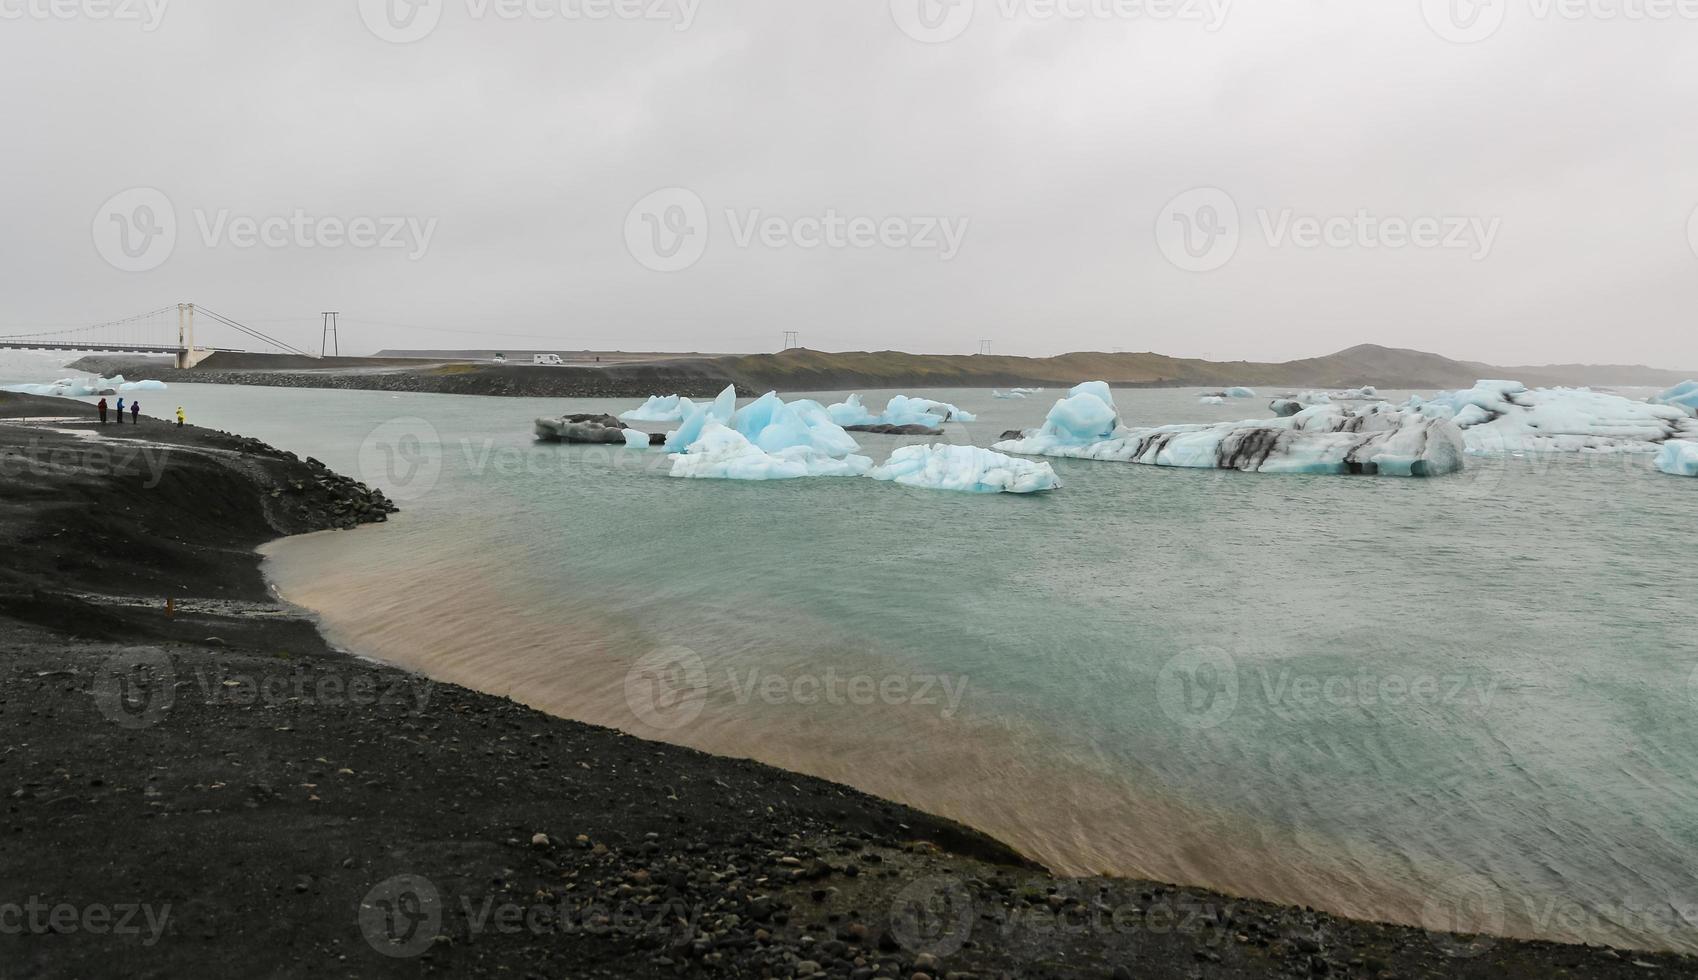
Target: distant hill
{"points": [[638, 375], [1366, 364]]}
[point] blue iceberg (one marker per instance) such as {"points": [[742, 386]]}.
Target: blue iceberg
{"points": [[900, 410], [1679, 458], [1683, 396], [723, 453]]}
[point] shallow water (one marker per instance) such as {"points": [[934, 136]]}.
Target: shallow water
{"points": [[1466, 703]]}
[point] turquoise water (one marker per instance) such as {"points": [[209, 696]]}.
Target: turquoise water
{"points": [[1387, 698]]}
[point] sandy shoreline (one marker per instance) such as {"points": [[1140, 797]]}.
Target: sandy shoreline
{"points": [[247, 800]]}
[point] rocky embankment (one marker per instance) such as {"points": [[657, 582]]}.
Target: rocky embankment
{"points": [[195, 784]]}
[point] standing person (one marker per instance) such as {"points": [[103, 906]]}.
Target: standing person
{"points": [[179, 416], [135, 413], [120, 409], [102, 407]]}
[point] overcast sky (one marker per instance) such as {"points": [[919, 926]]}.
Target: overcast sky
{"points": [[1260, 180]]}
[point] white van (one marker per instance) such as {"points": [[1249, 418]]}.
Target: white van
{"points": [[552, 360]]}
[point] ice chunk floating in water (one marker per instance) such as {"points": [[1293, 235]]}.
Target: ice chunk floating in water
{"points": [[661, 408], [1683, 396], [1679, 458], [723, 453], [1504, 416], [900, 410], [968, 469], [1085, 416], [1324, 439], [719, 410]]}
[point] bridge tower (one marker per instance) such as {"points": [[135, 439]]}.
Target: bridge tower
{"points": [[187, 355]]}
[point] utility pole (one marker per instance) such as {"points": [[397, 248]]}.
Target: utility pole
{"points": [[330, 340], [792, 339], [984, 347]]}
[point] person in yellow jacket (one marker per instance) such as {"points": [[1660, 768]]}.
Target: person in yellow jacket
{"points": [[179, 416]]}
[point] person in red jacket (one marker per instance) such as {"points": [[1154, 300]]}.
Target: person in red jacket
{"points": [[102, 407]]}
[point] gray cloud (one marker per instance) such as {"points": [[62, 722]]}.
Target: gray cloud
{"points": [[1058, 141]]}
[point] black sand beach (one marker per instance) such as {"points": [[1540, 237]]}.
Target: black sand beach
{"points": [[196, 784]]}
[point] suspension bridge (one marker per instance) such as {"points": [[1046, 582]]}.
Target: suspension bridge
{"points": [[167, 330]]}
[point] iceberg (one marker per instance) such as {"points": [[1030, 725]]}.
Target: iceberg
{"points": [[1232, 393], [1679, 457], [768, 439], [1505, 416], [1683, 396], [1213, 399], [86, 387], [637, 440], [1085, 416], [900, 410], [1008, 395], [1292, 404], [719, 410], [589, 429], [1322, 439], [660, 408], [967, 469], [723, 453]]}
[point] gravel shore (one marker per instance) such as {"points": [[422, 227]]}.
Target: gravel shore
{"points": [[198, 785]]}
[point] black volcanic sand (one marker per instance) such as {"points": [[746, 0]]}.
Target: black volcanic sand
{"points": [[216, 792]]}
